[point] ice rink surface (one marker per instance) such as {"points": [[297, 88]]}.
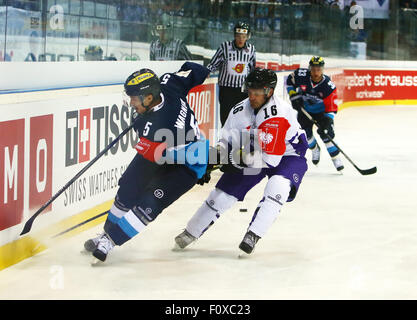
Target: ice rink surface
{"points": [[344, 237]]}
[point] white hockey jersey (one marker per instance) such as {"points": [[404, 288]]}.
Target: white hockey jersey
{"points": [[274, 125]]}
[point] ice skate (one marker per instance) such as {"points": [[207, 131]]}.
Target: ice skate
{"points": [[104, 246], [315, 154], [249, 241], [91, 244], [338, 164], [183, 240]]}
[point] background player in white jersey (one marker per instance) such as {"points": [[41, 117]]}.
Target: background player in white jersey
{"points": [[283, 146], [313, 91]]}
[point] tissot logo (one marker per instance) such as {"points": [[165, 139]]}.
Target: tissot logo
{"points": [[88, 131]]}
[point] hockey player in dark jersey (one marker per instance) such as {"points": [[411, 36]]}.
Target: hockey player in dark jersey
{"points": [[172, 155], [316, 93]]}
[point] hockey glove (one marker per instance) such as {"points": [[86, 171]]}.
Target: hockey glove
{"points": [[325, 125], [207, 176], [296, 97], [234, 162], [214, 159]]}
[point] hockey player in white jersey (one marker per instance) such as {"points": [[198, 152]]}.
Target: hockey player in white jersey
{"points": [[272, 122]]}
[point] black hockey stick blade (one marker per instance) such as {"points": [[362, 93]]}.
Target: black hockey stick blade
{"points": [[366, 172], [28, 225], [363, 172]]}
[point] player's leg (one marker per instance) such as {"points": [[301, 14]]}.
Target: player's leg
{"points": [[116, 212], [229, 189], [131, 184], [331, 148], [166, 187], [282, 187], [307, 125], [217, 202]]}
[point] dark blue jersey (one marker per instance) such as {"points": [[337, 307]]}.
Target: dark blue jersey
{"points": [[169, 132], [318, 97]]}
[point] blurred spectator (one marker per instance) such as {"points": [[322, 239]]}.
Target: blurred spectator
{"points": [[34, 40], [261, 16], [93, 53], [405, 3], [31, 5], [135, 11], [358, 35], [353, 3], [409, 4]]}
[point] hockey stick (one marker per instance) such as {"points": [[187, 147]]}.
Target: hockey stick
{"points": [[361, 171], [28, 224]]}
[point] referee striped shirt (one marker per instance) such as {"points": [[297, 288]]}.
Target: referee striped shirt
{"points": [[234, 63], [172, 50]]}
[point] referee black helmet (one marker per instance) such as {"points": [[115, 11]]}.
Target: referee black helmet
{"points": [[242, 27]]}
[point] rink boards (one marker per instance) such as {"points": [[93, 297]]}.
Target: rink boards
{"points": [[46, 137]]}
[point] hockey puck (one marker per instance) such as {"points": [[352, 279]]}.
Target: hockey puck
{"points": [[243, 210]]}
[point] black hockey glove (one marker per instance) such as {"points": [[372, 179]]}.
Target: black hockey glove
{"points": [[325, 125], [214, 159], [207, 176], [234, 162], [296, 97]]}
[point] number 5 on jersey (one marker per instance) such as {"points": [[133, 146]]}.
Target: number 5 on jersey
{"points": [[147, 128]]}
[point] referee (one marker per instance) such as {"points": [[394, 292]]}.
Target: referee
{"points": [[235, 59], [164, 48]]}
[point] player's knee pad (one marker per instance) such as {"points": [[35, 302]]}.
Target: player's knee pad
{"points": [[220, 201], [276, 194], [217, 202], [277, 190], [147, 210]]}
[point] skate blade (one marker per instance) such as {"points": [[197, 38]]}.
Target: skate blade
{"points": [[177, 248], [96, 262], [85, 252], [243, 255]]}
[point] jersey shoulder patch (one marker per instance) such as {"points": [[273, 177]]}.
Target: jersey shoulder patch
{"points": [[328, 86]]}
